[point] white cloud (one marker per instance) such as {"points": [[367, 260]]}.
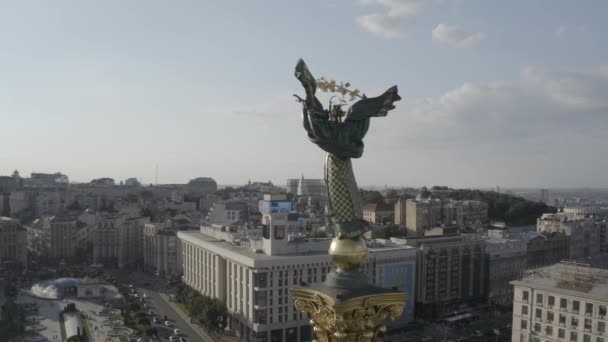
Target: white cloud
{"points": [[537, 104], [454, 35], [396, 19]]}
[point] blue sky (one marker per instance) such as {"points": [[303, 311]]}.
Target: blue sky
{"points": [[508, 93]]}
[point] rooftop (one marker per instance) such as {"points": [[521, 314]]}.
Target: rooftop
{"points": [[569, 278], [233, 250]]}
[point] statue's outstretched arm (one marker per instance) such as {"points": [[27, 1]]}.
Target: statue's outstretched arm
{"points": [[374, 106]]}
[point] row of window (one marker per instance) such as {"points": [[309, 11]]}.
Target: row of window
{"points": [[573, 323], [561, 335], [575, 307]]}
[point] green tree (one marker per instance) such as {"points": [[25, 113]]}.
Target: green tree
{"points": [[391, 193], [388, 232], [318, 234], [371, 196], [513, 210], [213, 314], [132, 198], [144, 321], [151, 331]]}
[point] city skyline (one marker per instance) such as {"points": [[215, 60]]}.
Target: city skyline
{"points": [[507, 94]]}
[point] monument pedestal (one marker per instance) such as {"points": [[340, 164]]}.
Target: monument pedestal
{"points": [[353, 315], [345, 308]]}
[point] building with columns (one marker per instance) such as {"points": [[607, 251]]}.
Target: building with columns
{"points": [[253, 277]]}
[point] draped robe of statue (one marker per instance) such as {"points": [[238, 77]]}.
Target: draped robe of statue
{"points": [[342, 140]]}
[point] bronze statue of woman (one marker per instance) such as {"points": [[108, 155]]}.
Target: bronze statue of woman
{"points": [[342, 140]]}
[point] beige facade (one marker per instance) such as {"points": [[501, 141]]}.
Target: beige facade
{"points": [[400, 211], [450, 271], [161, 254], [585, 237], [253, 279], [62, 234], [562, 302], [422, 214], [105, 246], [378, 213]]}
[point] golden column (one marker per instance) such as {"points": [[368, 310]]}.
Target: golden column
{"points": [[345, 307]]}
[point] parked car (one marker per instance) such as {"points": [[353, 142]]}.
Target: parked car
{"points": [[167, 323], [173, 338], [176, 331]]}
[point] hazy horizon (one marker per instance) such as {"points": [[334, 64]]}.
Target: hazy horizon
{"points": [[494, 93]]}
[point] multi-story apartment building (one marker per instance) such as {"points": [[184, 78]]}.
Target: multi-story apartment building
{"points": [[505, 261], [450, 271], [544, 249], [562, 302], [105, 247], [422, 214], [161, 250], [62, 233], [49, 201], [378, 212], [400, 211], [20, 201], [46, 180], [584, 234], [253, 277], [467, 213], [227, 213], [426, 212], [603, 228], [130, 241], [13, 242], [579, 213], [200, 186]]}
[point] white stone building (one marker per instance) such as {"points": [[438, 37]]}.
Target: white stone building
{"points": [[253, 277], [562, 302]]}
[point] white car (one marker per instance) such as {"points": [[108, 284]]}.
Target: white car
{"points": [[154, 319], [173, 338], [145, 295], [176, 331], [167, 323]]}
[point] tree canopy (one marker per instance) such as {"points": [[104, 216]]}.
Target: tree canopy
{"points": [[371, 196], [318, 234], [388, 232], [513, 210]]}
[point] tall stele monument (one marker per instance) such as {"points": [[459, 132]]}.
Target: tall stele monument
{"points": [[345, 307]]}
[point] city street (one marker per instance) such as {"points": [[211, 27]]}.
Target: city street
{"points": [[144, 283]]}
